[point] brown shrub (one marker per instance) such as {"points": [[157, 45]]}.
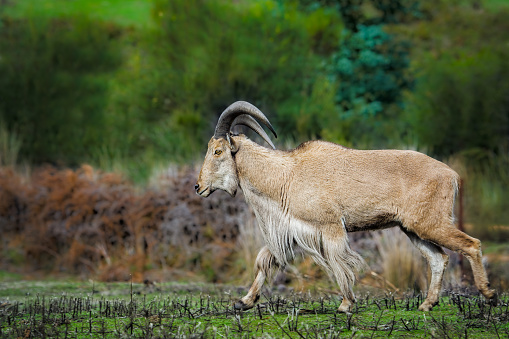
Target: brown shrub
{"points": [[92, 223]]}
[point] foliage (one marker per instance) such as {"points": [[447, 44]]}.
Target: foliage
{"points": [[370, 70], [485, 179], [453, 108], [92, 91], [372, 12], [53, 85], [204, 55], [361, 65], [461, 98], [151, 93]]}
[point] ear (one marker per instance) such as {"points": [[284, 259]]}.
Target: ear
{"points": [[233, 144]]}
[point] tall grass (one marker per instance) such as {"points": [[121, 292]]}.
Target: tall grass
{"points": [[250, 241], [486, 195], [402, 263], [10, 145]]}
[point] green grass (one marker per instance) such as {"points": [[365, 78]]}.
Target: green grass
{"points": [[6, 276], [88, 309], [494, 5], [490, 5], [124, 12]]}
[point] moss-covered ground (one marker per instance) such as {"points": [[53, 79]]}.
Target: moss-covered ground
{"points": [[96, 310]]}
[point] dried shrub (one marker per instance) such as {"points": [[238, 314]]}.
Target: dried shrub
{"points": [[402, 263], [92, 223]]}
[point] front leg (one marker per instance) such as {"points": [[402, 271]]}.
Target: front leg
{"points": [[265, 263]]}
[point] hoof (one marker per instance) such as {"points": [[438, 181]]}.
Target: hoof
{"points": [[493, 298], [425, 307], [344, 308], [490, 294], [346, 305], [241, 306]]}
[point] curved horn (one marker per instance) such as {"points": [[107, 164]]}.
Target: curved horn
{"points": [[224, 124], [250, 122]]}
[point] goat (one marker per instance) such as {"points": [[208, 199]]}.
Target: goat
{"points": [[312, 196]]}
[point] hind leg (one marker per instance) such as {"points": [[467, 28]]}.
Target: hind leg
{"points": [[265, 262], [437, 260], [471, 248], [455, 240]]}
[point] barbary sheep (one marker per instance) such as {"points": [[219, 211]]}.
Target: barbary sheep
{"points": [[312, 196]]}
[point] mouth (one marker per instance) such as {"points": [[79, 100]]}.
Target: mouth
{"points": [[205, 192]]}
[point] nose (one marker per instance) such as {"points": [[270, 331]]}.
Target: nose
{"points": [[196, 187]]}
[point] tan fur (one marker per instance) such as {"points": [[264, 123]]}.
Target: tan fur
{"points": [[312, 196]]}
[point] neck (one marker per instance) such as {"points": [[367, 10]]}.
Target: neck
{"points": [[261, 171]]}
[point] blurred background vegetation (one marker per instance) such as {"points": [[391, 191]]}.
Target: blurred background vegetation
{"points": [[132, 86]]}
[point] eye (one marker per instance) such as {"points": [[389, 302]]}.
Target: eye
{"points": [[218, 152]]}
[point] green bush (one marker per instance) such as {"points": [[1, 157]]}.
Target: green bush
{"points": [[486, 198], [77, 89], [460, 101], [54, 84], [370, 69], [204, 55]]}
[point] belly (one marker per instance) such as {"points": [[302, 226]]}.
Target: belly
{"points": [[376, 222]]}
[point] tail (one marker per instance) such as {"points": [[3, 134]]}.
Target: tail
{"points": [[456, 182]]}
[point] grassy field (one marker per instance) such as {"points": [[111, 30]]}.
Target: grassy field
{"points": [[124, 12], [96, 310]]}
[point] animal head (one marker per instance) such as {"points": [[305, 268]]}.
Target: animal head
{"points": [[219, 170]]}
